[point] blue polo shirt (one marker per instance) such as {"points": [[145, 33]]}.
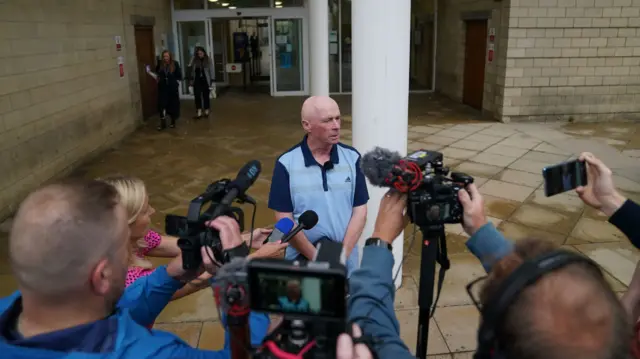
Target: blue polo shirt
{"points": [[300, 183]]}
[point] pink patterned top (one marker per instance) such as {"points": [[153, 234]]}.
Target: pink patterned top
{"points": [[153, 240]]}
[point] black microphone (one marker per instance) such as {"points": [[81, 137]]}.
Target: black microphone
{"points": [[246, 177], [378, 164], [308, 219]]}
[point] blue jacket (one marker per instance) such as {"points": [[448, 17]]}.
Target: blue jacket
{"points": [[121, 335], [372, 291]]}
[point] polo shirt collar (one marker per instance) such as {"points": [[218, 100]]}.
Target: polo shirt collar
{"points": [[308, 156]]}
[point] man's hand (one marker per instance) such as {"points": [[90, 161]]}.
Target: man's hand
{"points": [[259, 235], [600, 192], [346, 350], [229, 229], [391, 218], [473, 205], [270, 250]]}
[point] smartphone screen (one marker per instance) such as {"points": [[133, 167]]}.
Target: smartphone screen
{"points": [[564, 177]]}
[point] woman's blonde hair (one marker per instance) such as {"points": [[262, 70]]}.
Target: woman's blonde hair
{"points": [[133, 194]]}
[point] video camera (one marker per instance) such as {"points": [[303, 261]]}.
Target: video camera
{"points": [[434, 200], [311, 297], [192, 231]]}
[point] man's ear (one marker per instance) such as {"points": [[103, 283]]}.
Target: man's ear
{"points": [[305, 125], [101, 277]]}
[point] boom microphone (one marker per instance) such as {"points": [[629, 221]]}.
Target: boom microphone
{"points": [[385, 168], [246, 177], [307, 220]]}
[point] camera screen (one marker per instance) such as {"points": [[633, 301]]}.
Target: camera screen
{"points": [[564, 177], [302, 295]]}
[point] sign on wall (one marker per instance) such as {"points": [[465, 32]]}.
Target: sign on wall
{"points": [[234, 68], [121, 66], [490, 53], [118, 40]]}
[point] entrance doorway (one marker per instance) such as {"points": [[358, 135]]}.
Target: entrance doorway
{"points": [[145, 55], [474, 63]]}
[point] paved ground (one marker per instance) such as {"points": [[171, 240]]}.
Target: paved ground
{"points": [[505, 159]]}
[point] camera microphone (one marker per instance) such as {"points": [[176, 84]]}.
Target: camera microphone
{"points": [[385, 168], [308, 219], [246, 177]]}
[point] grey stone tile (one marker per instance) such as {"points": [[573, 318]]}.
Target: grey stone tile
{"points": [[493, 159]]}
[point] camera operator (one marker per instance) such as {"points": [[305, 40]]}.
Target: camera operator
{"points": [[570, 312], [69, 252]]}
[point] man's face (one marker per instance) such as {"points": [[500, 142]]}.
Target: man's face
{"points": [[293, 291], [325, 125]]}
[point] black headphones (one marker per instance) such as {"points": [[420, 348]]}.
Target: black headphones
{"points": [[528, 273]]}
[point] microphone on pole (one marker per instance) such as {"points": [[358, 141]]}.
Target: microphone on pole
{"points": [[246, 177], [308, 219]]}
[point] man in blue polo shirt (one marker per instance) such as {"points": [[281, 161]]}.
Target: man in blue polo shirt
{"points": [[323, 175]]}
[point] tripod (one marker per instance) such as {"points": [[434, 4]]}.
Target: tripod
{"points": [[434, 249]]}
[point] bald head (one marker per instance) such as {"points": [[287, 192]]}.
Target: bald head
{"points": [[60, 232], [321, 119], [569, 313]]}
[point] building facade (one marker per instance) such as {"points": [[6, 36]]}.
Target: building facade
{"points": [[516, 60], [63, 94]]}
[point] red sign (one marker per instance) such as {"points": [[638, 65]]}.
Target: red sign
{"points": [[118, 43], [121, 66], [233, 67]]}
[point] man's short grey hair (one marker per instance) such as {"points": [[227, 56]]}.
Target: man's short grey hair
{"points": [[59, 234]]}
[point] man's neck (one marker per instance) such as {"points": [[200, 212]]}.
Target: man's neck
{"points": [[318, 149], [39, 318]]}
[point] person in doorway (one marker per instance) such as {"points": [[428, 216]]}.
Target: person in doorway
{"points": [[168, 75], [323, 175], [202, 77]]}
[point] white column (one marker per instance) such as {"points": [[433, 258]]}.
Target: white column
{"points": [[380, 98], [319, 39]]}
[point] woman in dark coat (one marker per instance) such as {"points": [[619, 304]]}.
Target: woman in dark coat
{"points": [[202, 77], [168, 75]]}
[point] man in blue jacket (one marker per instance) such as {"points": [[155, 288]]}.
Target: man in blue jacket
{"points": [[69, 253], [372, 290]]}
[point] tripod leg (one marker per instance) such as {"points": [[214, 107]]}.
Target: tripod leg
{"points": [[431, 237]]}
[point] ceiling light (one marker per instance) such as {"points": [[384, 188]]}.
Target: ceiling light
{"points": [[213, 0], [278, 6], [225, 4], [278, 3], [232, 7]]}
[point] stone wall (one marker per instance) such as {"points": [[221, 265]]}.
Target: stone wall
{"points": [[61, 97], [573, 59], [451, 48]]}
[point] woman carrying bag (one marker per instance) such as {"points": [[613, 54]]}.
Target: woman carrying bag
{"points": [[202, 77]]}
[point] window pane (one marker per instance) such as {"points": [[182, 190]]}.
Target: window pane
{"points": [[188, 4], [288, 3], [238, 4], [288, 54], [334, 56], [345, 35]]}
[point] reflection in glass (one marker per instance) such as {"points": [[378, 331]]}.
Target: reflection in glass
{"points": [[334, 46], [188, 4], [288, 3], [288, 56], [238, 4], [191, 34], [345, 36]]}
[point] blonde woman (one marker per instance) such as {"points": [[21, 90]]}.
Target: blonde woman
{"points": [[148, 243]]}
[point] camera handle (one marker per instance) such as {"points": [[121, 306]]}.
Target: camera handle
{"points": [[434, 249]]}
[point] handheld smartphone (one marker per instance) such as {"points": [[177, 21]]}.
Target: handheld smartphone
{"points": [[297, 291], [564, 177]]}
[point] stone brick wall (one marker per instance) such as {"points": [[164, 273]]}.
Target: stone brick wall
{"points": [[61, 97], [451, 48], [575, 59]]}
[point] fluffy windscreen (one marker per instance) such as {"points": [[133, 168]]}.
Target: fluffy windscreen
{"points": [[377, 164]]}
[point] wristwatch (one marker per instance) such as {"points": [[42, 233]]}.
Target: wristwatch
{"points": [[377, 242]]}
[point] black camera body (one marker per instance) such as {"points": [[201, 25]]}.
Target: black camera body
{"points": [[192, 231], [435, 200], [311, 297]]}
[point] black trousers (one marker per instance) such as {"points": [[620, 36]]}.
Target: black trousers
{"points": [[201, 92], [169, 100]]}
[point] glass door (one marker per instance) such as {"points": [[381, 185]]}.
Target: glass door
{"points": [[190, 35], [218, 47], [287, 67]]}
